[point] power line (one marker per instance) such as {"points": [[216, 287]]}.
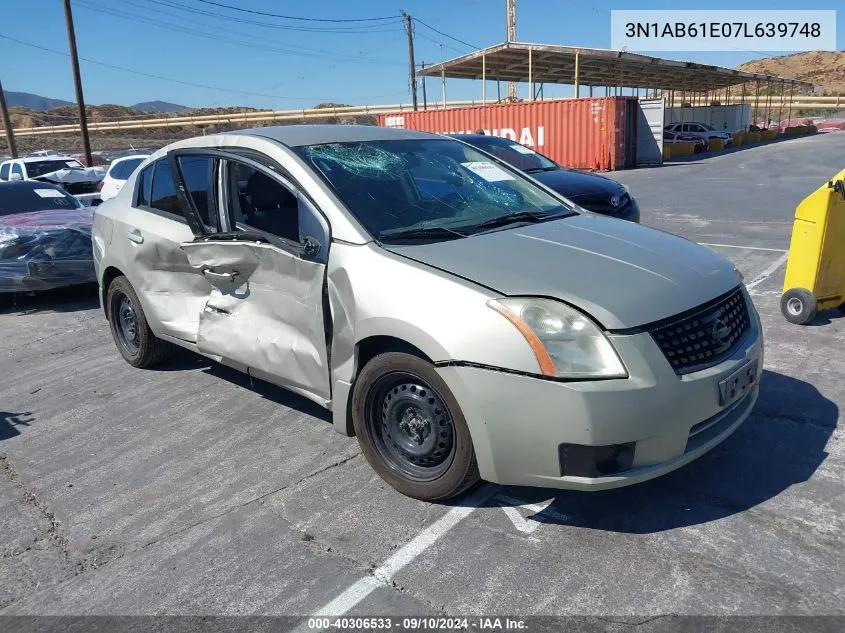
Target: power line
{"points": [[162, 78], [292, 17], [355, 30], [428, 26], [431, 39], [300, 51]]}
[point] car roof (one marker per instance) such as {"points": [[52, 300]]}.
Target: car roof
{"points": [[472, 137], [38, 159], [128, 156], [299, 135]]}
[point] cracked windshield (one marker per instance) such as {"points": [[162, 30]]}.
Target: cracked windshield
{"points": [[429, 190]]}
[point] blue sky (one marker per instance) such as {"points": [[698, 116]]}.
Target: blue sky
{"points": [[278, 67]]}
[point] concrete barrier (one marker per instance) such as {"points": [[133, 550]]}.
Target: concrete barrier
{"points": [[667, 151], [768, 135], [752, 137], [683, 149], [716, 144], [738, 139]]}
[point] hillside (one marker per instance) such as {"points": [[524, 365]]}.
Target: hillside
{"points": [[32, 102], [149, 137], [822, 68], [160, 106]]}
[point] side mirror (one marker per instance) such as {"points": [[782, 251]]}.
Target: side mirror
{"points": [[309, 247], [15, 176]]}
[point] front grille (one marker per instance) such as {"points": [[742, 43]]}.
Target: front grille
{"points": [[601, 204], [705, 335]]}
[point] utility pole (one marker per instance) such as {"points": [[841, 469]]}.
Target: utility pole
{"points": [[425, 101], [510, 10], [77, 80], [7, 124], [409, 29]]}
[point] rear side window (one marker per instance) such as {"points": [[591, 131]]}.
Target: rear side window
{"points": [[16, 169], [129, 166], [145, 181], [163, 193], [4, 171], [116, 171]]}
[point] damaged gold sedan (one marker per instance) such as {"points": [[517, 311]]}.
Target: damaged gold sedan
{"points": [[461, 319]]}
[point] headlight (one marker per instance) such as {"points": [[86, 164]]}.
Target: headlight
{"points": [[625, 187], [567, 344]]}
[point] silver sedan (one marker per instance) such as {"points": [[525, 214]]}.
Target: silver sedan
{"points": [[460, 318]]}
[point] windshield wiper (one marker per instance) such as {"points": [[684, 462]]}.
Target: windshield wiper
{"points": [[523, 217], [434, 233], [534, 170]]}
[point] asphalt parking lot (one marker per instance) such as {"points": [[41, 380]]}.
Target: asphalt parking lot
{"points": [[188, 490]]}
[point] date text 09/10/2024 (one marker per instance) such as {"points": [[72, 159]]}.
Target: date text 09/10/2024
{"points": [[417, 623]]}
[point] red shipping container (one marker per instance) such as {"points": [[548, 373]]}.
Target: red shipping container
{"points": [[579, 133]]}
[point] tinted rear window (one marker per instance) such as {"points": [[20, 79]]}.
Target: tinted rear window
{"points": [[126, 168], [24, 199]]}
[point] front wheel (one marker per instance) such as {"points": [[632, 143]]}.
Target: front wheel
{"points": [[411, 429]]}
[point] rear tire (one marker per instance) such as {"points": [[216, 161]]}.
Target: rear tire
{"points": [[411, 428], [798, 306], [132, 334]]}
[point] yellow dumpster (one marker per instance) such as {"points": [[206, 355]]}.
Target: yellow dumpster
{"points": [[752, 137], [667, 151], [716, 144], [768, 135], [815, 270], [683, 149], [738, 138]]}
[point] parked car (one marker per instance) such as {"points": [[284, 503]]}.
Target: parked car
{"points": [[45, 238], [590, 191], [64, 171], [701, 130], [119, 170], [461, 320], [681, 137]]}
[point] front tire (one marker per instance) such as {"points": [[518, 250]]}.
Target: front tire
{"points": [[132, 334], [411, 428]]}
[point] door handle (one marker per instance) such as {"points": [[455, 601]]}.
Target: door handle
{"points": [[213, 276], [134, 235]]}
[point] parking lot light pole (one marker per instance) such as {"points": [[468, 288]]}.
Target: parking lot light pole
{"points": [[77, 80], [7, 124]]}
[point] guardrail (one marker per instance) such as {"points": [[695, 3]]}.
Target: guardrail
{"points": [[810, 102]]}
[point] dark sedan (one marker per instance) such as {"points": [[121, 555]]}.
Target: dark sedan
{"points": [[45, 238], [590, 191]]}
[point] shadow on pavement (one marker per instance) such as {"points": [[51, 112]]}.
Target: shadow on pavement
{"points": [[68, 299], [9, 423], [781, 444]]}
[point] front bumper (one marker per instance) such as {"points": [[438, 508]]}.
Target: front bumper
{"points": [[519, 423]]}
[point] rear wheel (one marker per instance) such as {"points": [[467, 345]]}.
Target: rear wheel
{"points": [[798, 306], [134, 339], [411, 429]]}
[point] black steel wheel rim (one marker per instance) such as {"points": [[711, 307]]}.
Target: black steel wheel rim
{"points": [[125, 322], [411, 427]]}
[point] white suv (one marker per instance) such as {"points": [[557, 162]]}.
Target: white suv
{"points": [[701, 130], [118, 173]]}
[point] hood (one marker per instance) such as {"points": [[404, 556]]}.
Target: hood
{"points": [[577, 184], [622, 274]]}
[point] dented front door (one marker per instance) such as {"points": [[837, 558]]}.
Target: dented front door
{"points": [[264, 310]]}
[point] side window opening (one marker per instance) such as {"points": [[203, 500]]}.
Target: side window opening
{"points": [[4, 171], [145, 180], [257, 201], [200, 173], [16, 169], [163, 192]]}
